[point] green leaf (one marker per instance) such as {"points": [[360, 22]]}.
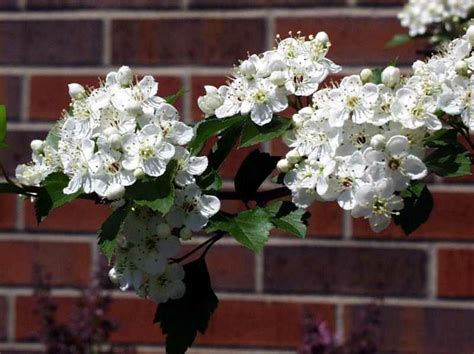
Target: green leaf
{"points": [[254, 134], [52, 196], [180, 320], [3, 126], [173, 98], [53, 137], [256, 167], [289, 218], [210, 127], [449, 161], [442, 137], [209, 181], [418, 205], [224, 146], [251, 228], [397, 40], [155, 193], [109, 230]]}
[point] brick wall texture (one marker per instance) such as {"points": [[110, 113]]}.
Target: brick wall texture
{"points": [[425, 281]]}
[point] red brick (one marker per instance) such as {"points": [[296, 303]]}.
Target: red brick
{"points": [[235, 323], [339, 270], [19, 150], [326, 219], [3, 318], [45, 42], [67, 263], [92, 4], [78, 216], [186, 41], [420, 330], [449, 220], [42, 88], [455, 273], [381, 3], [262, 3], [10, 96], [8, 5], [355, 40], [7, 211], [197, 89]]}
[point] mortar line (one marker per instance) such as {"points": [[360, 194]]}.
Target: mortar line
{"points": [[432, 272], [106, 41], [20, 213], [339, 320], [25, 98], [346, 225], [21, 4], [11, 318], [259, 272], [186, 82]]}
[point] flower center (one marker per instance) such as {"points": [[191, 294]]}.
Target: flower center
{"points": [[352, 102], [114, 167], [380, 206], [260, 96], [418, 111], [394, 164], [146, 152]]}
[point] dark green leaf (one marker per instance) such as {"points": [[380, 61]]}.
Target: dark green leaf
{"points": [[224, 146], [107, 247], [52, 196], [155, 193], [210, 181], [3, 126], [289, 218], [418, 205], [254, 134], [210, 127], [449, 161], [173, 98], [251, 228], [256, 167], [442, 137], [110, 228], [398, 39], [181, 319]]}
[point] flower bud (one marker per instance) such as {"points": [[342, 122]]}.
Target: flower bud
{"points": [[76, 91], [461, 68], [366, 75], [115, 191], [391, 76], [139, 173], [114, 276], [115, 141], [277, 78], [210, 101], [134, 107], [323, 38], [163, 230], [283, 165], [124, 76], [470, 34], [37, 145], [185, 234], [293, 156], [378, 141], [248, 69]]}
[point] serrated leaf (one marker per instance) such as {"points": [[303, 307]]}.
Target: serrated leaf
{"points": [[398, 39], [254, 134], [289, 218], [109, 230], [180, 320], [256, 167], [3, 126], [209, 181], [210, 127], [51, 196], [155, 193], [251, 228], [449, 161], [442, 137], [107, 247], [418, 206], [173, 98]]}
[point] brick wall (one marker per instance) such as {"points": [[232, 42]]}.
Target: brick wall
{"points": [[426, 280]]}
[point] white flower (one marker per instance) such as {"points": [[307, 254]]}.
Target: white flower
{"points": [[415, 110], [147, 150], [188, 166], [391, 76], [213, 99], [352, 99], [29, 174], [77, 165], [168, 285], [377, 203], [76, 91], [192, 209], [458, 99]]}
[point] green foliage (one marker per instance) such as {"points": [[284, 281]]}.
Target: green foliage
{"points": [[181, 319], [224, 145], [210, 181], [289, 218], [51, 196], [109, 230], [53, 137], [210, 127], [254, 134], [251, 227], [3, 126], [398, 40], [155, 193], [173, 98], [450, 158], [418, 205], [256, 167]]}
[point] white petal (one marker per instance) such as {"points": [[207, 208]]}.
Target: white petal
{"points": [[209, 205], [414, 167], [197, 165], [397, 144]]}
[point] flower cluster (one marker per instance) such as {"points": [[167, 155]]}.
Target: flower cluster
{"points": [[362, 143], [420, 15], [262, 83], [110, 138]]}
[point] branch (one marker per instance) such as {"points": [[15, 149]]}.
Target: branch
{"points": [[207, 243]]}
